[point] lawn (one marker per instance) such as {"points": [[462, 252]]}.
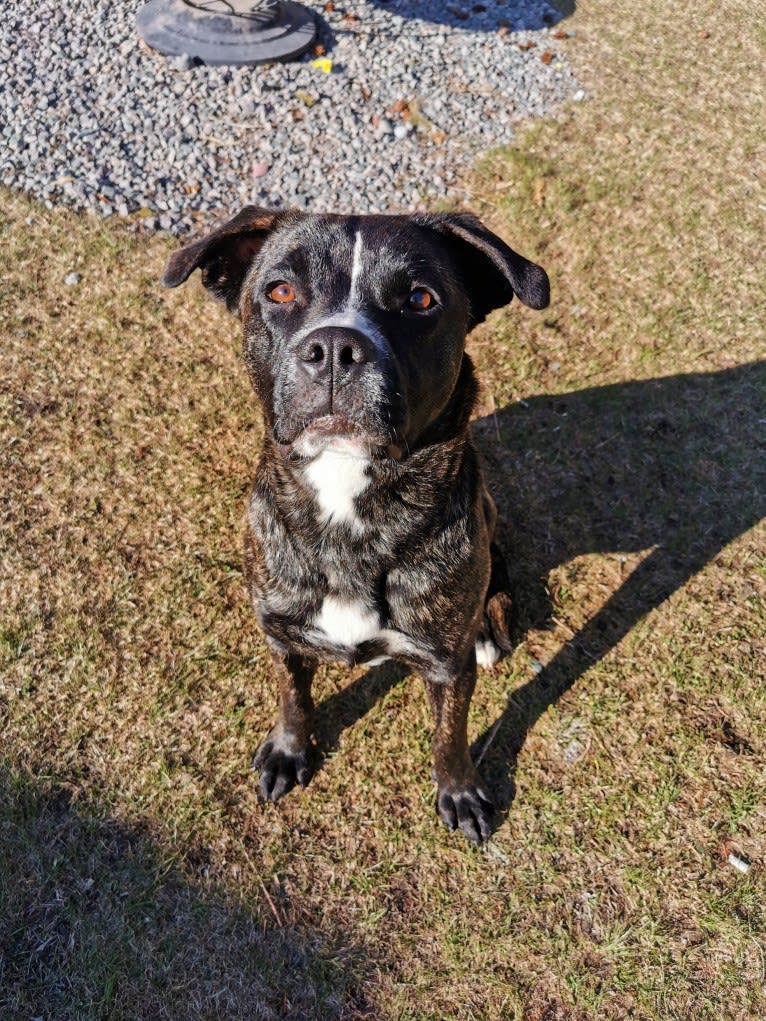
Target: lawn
{"points": [[140, 877]]}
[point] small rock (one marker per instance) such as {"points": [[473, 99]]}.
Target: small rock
{"points": [[72, 279], [183, 62], [739, 863]]}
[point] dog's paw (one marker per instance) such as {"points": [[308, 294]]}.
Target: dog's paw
{"points": [[469, 809], [282, 764]]}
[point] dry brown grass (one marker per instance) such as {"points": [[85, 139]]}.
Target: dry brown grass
{"points": [[140, 877]]}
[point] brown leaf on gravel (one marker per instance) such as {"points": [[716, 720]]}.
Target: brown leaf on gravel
{"points": [[528, 45], [546, 57]]}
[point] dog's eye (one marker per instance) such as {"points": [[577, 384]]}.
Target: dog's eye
{"points": [[420, 300], [282, 293]]}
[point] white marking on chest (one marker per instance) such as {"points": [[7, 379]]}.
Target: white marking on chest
{"points": [[337, 478], [347, 624]]}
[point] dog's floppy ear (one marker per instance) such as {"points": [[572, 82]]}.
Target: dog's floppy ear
{"points": [[492, 271], [225, 255]]}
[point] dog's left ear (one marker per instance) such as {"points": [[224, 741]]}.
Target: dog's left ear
{"points": [[492, 271], [226, 255]]}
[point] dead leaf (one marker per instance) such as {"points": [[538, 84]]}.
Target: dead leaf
{"points": [[538, 191], [546, 57]]}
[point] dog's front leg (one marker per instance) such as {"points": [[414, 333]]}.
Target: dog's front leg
{"points": [[285, 757], [461, 799]]}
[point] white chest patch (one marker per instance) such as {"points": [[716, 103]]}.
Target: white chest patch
{"points": [[347, 624], [337, 478]]}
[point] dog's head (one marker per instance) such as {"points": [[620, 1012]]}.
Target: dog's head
{"points": [[355, 325]]}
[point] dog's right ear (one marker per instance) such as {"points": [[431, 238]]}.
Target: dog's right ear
{"points": [[226, 255]]}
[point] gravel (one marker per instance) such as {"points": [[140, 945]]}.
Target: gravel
{"points": [[91, 118]]}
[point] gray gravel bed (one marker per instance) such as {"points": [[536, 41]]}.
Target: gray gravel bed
{"points": [[92, 118]]}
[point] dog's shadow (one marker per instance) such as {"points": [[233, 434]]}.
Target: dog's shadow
{"points": [[344, 708], [674, 466]]}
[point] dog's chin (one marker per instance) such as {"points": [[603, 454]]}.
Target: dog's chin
{"points": [[340, 435]]}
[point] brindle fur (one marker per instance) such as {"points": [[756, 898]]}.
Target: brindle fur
{"points": [[422, 557]]}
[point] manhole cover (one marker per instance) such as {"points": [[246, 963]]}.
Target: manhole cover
{"points": [[227, 31]]}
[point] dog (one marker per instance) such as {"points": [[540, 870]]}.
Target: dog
{"points": [[369, 527]]}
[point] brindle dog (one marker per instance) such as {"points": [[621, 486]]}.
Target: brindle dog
{"points": [[369, 525]]}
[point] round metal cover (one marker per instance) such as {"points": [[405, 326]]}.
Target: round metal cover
{"points": [[227, 31]]}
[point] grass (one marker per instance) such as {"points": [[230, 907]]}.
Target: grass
{"points": [[139, 875]]}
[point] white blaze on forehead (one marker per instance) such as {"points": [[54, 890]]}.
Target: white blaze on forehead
{"points": [[337, 477], [349, 313], [356, 270]]}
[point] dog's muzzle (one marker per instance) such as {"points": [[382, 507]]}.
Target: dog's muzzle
{"points": [[339, 383]]}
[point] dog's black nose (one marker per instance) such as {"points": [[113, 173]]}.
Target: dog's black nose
{"points": [[334, 353]]}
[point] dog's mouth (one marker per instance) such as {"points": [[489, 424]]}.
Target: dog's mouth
{"points": [[333, 426], [341, 435]]}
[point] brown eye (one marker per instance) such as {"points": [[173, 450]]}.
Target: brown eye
{"points": [[282, 293], [420, 300]]}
